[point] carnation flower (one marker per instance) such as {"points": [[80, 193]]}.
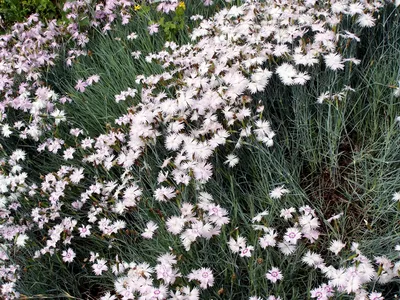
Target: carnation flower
{"points": [[69, 255], [286, 248], [312, 259], [287, 213], [99, 267], [336, 246], [375, 296], [153, 28], [292, 235], [246, 252], [81, 85], [21, 240], [231, 160], [268, 240], [278, 192], [149, 231], [259, 216], [396, 196], [366, 20], [334, 61], [84, 231], [235, 246], [204, 276], [274, 275], [163, 194]]}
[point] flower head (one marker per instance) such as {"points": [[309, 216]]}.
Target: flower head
{"points": [[274, 275]]}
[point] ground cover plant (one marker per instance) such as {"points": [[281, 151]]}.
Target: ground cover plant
{"points": [[202, 150]]}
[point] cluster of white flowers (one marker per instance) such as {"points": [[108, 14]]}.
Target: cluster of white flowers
{"points": [[201, 101], [350, 276], [137, 280]]}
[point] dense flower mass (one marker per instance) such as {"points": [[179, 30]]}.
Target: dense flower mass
{"points": [[201, 104]]}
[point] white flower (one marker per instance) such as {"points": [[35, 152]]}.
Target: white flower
{"points": [[84, 231], [69, 255], [292, 235], [274, 275], [204, 275], [175, 224], [366, 20], [312, 259], [18, 154], [396, 196], [231, 160], [59, 116], [21, 240], [268, 240], [336, 246], [149, 231], [334, 61], [69, 153], [246, 252], [259, 216], [277, 192], [5, 130], [99, 267], [287, 213], [286, 248], [235, 246], [396, 94]]}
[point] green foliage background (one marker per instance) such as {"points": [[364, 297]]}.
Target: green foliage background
{"points": [[12, 11]]}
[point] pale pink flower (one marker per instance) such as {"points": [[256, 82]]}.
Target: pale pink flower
{"points": [[149, 231], [81, 85], [204, 276], [84, 231], [246, 252], [69, 255], [336, 246], [93, 78], [287, 213], [236, 245], [68, 153], [278, 192], [153, 28], [292, 235], [375, 296], [163, 194], [274, 275], [99, 267]]}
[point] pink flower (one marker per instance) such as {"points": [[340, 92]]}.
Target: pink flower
{"points": [[149, 231], [277, 192], [246, 252], [84, 231], [153, 28], [68, 154], [163, 194], [100, 266], [69, 255], [93, 78], [81, 85], [274, 275], [204, 275], [323, 292], [375, 296], [292, 235]]}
